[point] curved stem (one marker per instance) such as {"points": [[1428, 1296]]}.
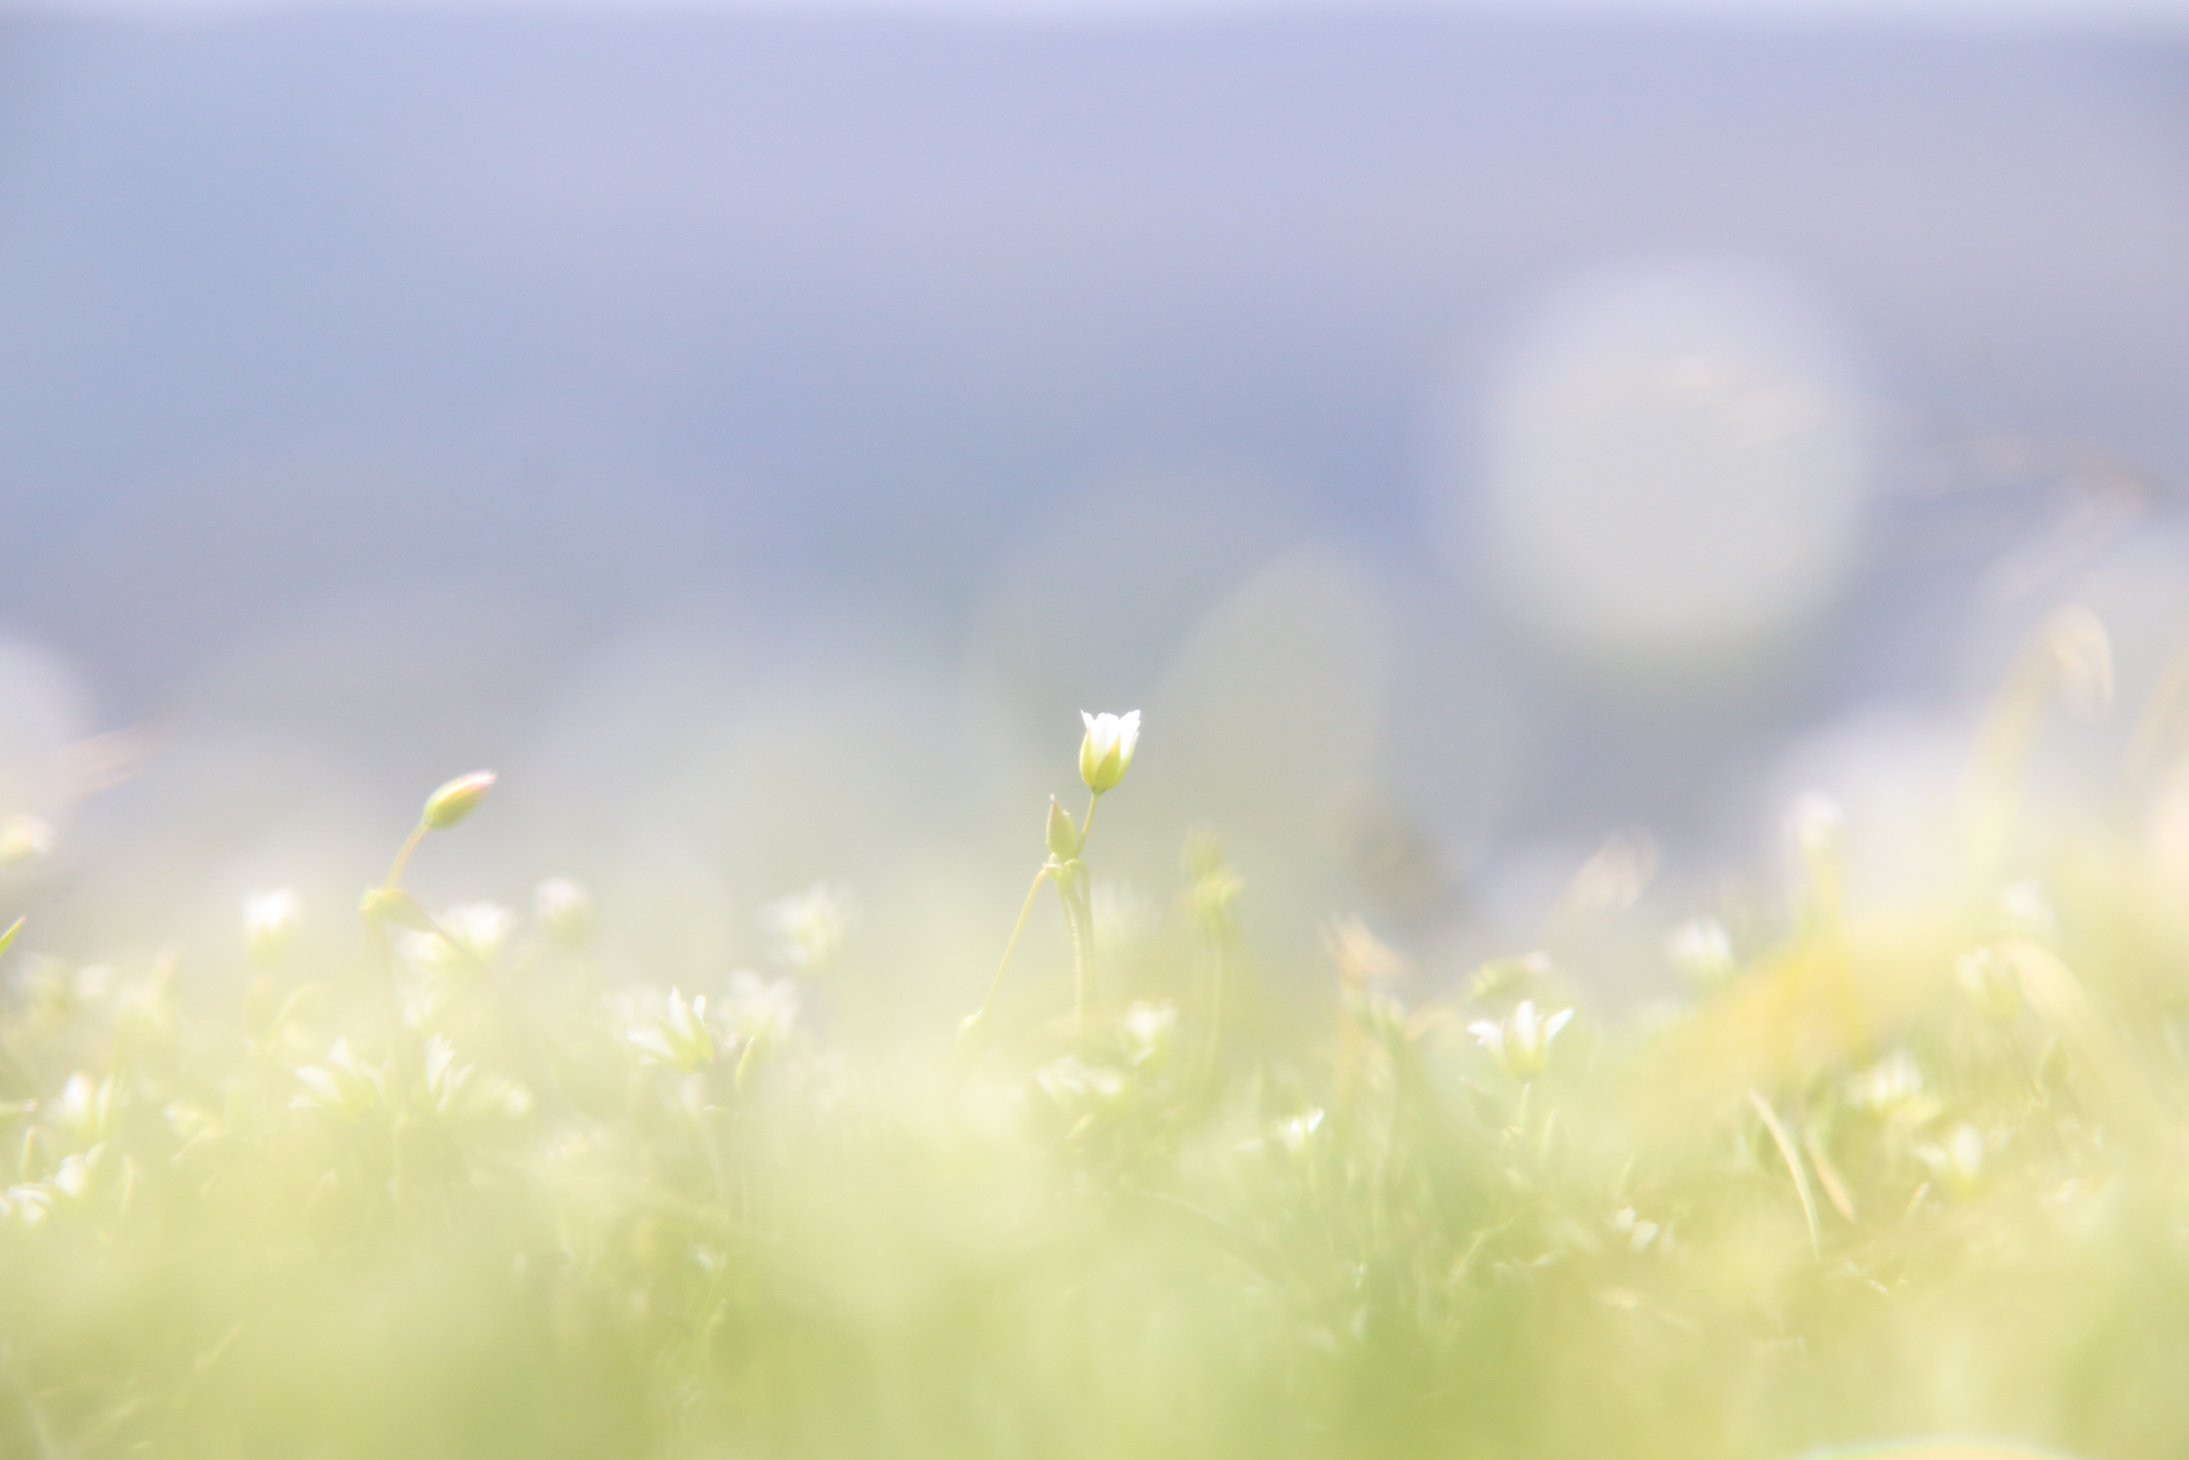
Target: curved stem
{"points": [[1026, 910], [1094, 800], [403, 853]]}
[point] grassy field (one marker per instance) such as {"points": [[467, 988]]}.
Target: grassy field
{"points": [[1906, 1180]]}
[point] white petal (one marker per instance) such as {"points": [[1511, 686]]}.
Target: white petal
{"points": [[1555, 1023]]}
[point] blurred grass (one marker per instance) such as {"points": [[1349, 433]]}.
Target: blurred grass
{"points": [[1886, 1178]]}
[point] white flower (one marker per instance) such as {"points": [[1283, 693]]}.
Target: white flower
{"points": [[678, 1035], [1989, 979], [761, 1010], [1149, 1029], [809, 927], [1894, 1089], [341, 1085], [1522, 1043], [1958, 1163], [1294, 1132], [565, 912], [1702, 951], [269, 921], [1107, 751]]}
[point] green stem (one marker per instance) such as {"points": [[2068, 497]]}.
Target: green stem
{"points": [[1026, 910], [403, 854]]}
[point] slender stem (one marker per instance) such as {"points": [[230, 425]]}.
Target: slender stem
{"points": [[1094, 799], [1079, 921], [1026, 910], [403, 853]]}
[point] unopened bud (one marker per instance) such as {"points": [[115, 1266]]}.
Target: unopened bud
{"points": [[1063, 835], [457, 800]]}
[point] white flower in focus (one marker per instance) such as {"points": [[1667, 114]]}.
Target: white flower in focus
{"points": [[269, 922], [677, 1035], [1522, 1042], [1107, 751], [808, 928]]}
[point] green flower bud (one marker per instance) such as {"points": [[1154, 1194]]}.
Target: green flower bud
{"points": [[1063, 835], [457, 800]]}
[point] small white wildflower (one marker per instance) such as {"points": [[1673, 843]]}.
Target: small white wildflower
{"points": [[269, 923], [677, 1035], [1815, 823], [1957, 1163], [86, 1107], [1637, 1233], [1702, 951], [1106, 753], [565, 912], [340, 1085], [72, 1178], [808, 928], [1149, 1030], [760, 1010], [1522, 1041], [1894, 1089], [1296, 1131]]}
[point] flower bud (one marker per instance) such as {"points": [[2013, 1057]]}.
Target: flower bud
{"points": [[1062, 834], [1107, 751], [457, 800]]}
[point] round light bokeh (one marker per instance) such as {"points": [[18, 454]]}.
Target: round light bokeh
{"points": [[1672, 466]]}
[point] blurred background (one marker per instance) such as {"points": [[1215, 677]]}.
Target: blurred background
{"points": [[1486, 440]]}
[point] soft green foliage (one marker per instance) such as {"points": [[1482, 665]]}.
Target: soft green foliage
{"points": [[1909, 1177]]}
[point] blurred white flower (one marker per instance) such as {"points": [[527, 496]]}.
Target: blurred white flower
{"points": [[677, 1034], [565, 912], [1522, 1041], [1149, 1030], [1893, 1089], [269, 922], [1957, 1163], [85, 1108], [760, 1010], [24, 839], [1702, 952], [340, 1085], [808, 928], [1106, 753], [1294, 1132]]}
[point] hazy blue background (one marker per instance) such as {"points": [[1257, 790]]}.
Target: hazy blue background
{"points": [[742, 425]]}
